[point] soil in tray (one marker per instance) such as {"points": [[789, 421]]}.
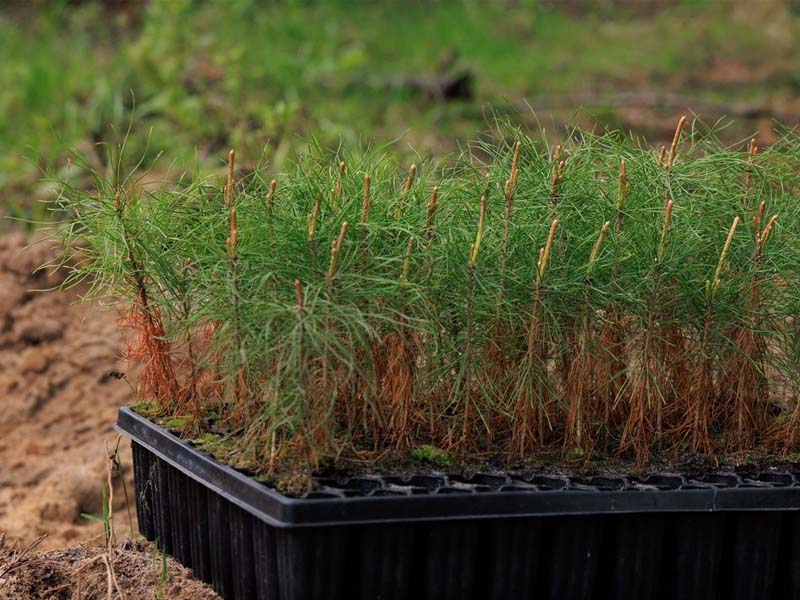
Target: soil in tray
{"points": [[430, 466], [351, 478]]}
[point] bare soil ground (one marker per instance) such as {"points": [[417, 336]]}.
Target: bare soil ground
{"points": [[58, 402], [80, 572]]}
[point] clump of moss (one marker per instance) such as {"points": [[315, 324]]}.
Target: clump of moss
{"points": [[592, 300], [295, 483], [221, 448], [146, 408], [175, 423], [431, 455], [206, 439]]}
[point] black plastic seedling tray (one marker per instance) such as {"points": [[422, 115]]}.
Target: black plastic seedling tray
{"points": [[489, 536]]}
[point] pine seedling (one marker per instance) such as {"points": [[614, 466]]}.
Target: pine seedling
{"points": [[745, 372], [647, 382], [503, 329], [241, 398], [151, 347], [580, 389], [325, 396], [509, 190], [610, 372], [531, 397], [464, 390], [398, 384], [703, 396]]}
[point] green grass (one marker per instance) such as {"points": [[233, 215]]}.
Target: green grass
{"points": [[200, 80], [553, 303]]}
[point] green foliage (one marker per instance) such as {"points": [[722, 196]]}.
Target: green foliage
{"points": [[105, 518], [515, 326], [202, 76], [160, 572]]}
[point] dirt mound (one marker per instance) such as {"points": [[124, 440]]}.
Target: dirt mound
{"points": [[58, 399], [81, 572]]}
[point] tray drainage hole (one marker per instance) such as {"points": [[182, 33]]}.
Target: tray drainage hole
{"points": [[662, 482], [548, 483], [777, 479], [429, 482], [722, 480], [604, 484], [361, 484]]}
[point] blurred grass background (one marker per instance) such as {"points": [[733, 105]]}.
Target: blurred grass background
{"points": [[197, 77]]}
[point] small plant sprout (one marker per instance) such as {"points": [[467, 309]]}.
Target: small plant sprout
{"points": [[401, 202], [230, 184], [662, 150], [269, 201], [555, 182], [270, 198], [497, 308], [333, 265], [673, 149], [622, 194], [336, 192], [367, 205], [233, 236], [311, 228]]}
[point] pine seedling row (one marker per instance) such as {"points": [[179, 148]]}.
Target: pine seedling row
{"points": [[593, 300]]}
